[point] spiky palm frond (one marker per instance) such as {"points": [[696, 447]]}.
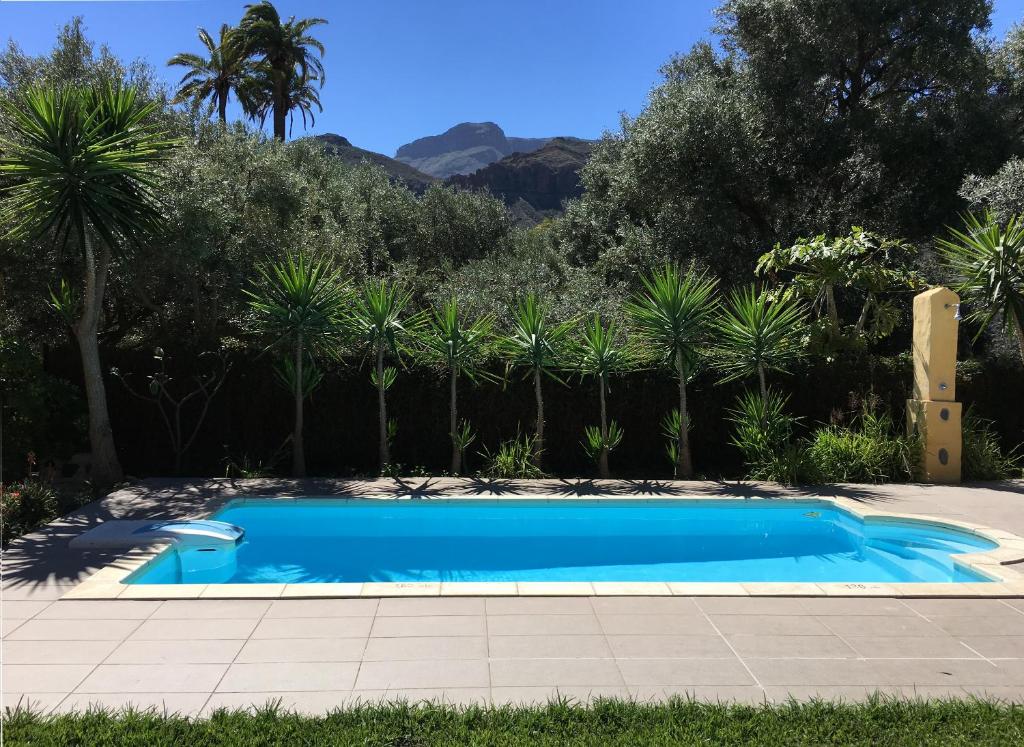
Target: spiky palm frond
{"points": [[600, 350], [227, 68], [456, 342], [759, 332], [376, 317], [534, 343]]}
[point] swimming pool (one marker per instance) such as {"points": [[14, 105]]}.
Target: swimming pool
{"points": [[320, 540]]}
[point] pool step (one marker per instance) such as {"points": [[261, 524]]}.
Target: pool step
{"points": [[119, 534]]}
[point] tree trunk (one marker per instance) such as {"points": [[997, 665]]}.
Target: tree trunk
{"points": [[106, 469], [833, 312], [280, 105], [298, 447], [684, 461], [222, 108], [538, 442], [764, 386], [602, 460], [454, 421], [382, 412]]}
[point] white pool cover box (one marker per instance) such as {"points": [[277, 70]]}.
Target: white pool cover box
{"points": [[118, 534]]}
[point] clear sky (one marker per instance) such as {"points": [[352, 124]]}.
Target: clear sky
{"points": [[402, 69]]}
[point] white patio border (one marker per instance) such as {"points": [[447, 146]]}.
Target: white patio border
{"points": [[998, 564]]}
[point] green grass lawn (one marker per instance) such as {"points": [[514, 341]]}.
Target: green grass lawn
{"points": [[878, 722]]}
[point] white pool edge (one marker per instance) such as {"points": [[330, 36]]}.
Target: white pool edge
{"points": [[998, 564]]}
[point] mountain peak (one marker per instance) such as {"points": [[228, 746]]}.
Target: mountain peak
{"points": [[463, 149]]}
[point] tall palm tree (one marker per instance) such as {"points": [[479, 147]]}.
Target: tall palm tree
{"points": [[302, 96], [601, 353], [81, 166], [672, 315], [461, 346], [226, 69], [757, 333], [988, 259], [287, 50], [300, 304], [376, 316], [536, 345]]}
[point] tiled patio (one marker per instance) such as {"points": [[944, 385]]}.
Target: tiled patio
{"points": [[196, 655]]}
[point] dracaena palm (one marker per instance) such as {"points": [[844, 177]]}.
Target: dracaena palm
{"points": [[601, 353], [461, 346], [288, 53], [536, 345], [81, 165], [213, 78], [672, 315], [988, 260], [758, 332], [299, 304], [378, 319]]}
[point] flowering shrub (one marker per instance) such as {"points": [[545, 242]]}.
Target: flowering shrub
{"points": [[24, 506]]}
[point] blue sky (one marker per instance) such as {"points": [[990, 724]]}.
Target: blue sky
{"points": [[401, 69]]}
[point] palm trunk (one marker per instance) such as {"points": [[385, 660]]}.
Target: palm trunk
{"points": [[280, 106], [833, 311], [222, 108], [761, 379], [453, 419], [684, 461], [298, 450], [106, 469], [602, 459], [538, 442], [382, 412]]}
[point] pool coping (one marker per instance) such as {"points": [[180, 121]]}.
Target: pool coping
{"points": [[998, 564]]}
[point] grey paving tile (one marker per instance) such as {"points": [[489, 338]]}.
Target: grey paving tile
{"points": [[83, 609], [543, 624], [944, 672], [539, 606], [322, 608], [555, 673], [176, 652], [409, 648], [750, 605], [180, 630], [183, 704], [307, 703], [313, 627], [43, 678], [961, 607], [55, 652], [790, 647], [644, 605], [814, 672], [744, 695], [549, 647], [409, 675], [687, 672], [774, 625], [929, 647], [74, 630], [35, 702], [36, 592], [541, 695], [1013, 669], [22, 609], [837, 693], [409, 606], [281, 650], [848, 606], [655, 624], [429, 625], [288, 677], [211, 609], [878, 626], [146, 678], [460, 696], [997, 646], [8, 626], [669, 647], [999, 693], [981, 625]]}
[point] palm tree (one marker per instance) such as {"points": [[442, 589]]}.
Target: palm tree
{"points": [[672, 315], [300, 305], [376, 318], [757, 333], [535, 345], [461, 347], [600, 353], [989, 261], [287, 50], [301, 96], [81, 165], [225, 70]]}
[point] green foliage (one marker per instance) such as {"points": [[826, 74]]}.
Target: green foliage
{"points": [[226, 69], [601, 352], [533, 342], [456, 343], [377, 318], [287, 372], [1002, 193], [670, 429], [512, 460], [982, 456], [595, 442], [988, 260], [758, 332], [389, 375], [763, 433], [870, 451], [25, 506]]}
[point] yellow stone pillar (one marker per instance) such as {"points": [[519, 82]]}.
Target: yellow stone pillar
{"points": [[933, 412]]}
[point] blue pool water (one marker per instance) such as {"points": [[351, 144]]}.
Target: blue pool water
{"points": [[325, 540]]}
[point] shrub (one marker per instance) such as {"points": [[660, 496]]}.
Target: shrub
{"points": [[26, 505], [514, 459], [763, 433], [870, 452], [983, 457]]}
